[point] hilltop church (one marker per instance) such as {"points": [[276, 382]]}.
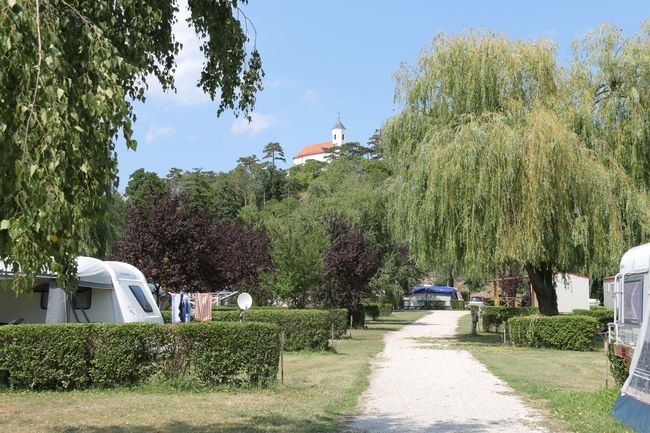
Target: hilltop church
{"points": [[318, 151]]}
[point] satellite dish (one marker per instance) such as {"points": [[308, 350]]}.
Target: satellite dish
{"points": [[244, 300]]}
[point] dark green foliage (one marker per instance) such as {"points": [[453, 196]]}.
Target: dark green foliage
{"points": [[385, 309], [457, 304], [339, 320], [494, 317], [357, 315], [243, 353], [372, 310], [557, 332], [76, 356], [602, 314], [125, 355], [617, 366], [167, 316], [304, 329], [45, 357]]}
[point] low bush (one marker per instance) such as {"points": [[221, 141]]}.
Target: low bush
{"points": [[77, 356], [495, 317], [617, 366], [304, 329], [458, 304], [602, 314], [558, 332], [386, 310], [339, 322], [372, 310]]}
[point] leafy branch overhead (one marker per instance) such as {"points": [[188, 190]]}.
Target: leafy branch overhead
{"points": [[70, 71]]}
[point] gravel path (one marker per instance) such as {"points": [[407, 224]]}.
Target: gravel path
{"points": [[424, 390]]}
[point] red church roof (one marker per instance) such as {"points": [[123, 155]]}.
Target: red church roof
{"points": [[313, 149]]}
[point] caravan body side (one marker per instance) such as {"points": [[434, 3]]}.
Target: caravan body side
{"points": [[106, 294]]}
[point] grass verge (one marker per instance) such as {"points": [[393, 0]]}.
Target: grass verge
{"points": [[568, 386], [319, 389]]}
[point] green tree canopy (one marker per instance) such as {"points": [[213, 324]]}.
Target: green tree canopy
{"points": [[70, 71], [274, 152], [488, 173], [610, 79]]}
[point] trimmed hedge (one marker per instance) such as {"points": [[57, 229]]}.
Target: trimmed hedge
{"points": [[494, 317], [339, 318], [602, 314], [304, 329], [77, 356], [372, 310], [457, 304], [558, 332]]}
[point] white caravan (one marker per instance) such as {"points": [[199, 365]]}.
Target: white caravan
{"points": [[630, 336], [108, 292], [629, 292]]}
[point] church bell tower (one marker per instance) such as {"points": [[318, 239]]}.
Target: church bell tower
{"points": [[338, 133]]}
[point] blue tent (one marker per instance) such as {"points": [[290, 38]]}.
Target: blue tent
{"points": [[445, 290]]}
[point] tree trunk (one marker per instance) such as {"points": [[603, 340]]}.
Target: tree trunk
{"points": [[450, 279], [541, 279]]}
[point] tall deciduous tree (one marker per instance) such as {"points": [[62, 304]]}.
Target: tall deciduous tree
{"points": [[70, 69], [350, 263], [488, 173], [180, 247]]}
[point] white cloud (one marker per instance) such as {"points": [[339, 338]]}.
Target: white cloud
{"points": [[257, 124], [155, 133]]}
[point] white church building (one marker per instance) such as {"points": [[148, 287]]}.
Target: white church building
{"points": [[318, 151]]}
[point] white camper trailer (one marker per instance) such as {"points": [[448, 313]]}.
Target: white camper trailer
{"points": [[108, 292], [630, 291], [630, 335]]}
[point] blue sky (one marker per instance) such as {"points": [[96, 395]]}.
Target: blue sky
{"points": [[326, 57]]}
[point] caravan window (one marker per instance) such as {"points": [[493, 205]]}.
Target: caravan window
{"points": [[43, 289], [633, 300], [81, 298], [142, 300]]}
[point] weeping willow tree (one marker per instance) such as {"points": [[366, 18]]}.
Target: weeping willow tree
{"points": [[610, 81], [487, 172]]}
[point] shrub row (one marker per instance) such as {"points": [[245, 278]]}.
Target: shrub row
{"points": [[304, 329], [76, 356], [602, 314], [373, 311], [457, 304], [558, 332], [338, 321], [494, 317]]}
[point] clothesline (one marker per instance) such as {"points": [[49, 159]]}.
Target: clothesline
{"points": [[182, 308]]}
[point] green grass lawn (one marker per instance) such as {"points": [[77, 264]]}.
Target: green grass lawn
{"points": [[568, 386], [319, 390]]}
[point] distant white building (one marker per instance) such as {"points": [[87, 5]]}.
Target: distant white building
{"points": [[572, 292], [317, 151]]}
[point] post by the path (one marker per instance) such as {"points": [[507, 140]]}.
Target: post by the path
{"points": [[474, 310]]}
